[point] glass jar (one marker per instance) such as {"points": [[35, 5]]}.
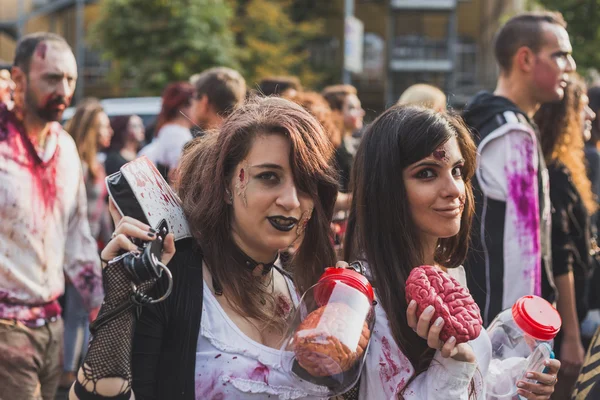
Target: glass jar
{"points": [[329, 334], [522, 338]]}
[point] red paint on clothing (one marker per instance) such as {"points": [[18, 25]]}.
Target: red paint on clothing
{"points": [[389, 368], [43, 174], [260, 373]]}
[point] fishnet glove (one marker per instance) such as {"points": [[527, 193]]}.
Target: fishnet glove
{"points": [[109, 353]]}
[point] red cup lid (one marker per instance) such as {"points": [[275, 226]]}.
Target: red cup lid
{"points": [[536, 317], [348, 277]]}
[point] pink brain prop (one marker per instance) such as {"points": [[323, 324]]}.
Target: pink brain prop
{"points": [[429, 285]]}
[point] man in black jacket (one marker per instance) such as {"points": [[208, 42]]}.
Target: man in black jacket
{"points": [[510, 255]]}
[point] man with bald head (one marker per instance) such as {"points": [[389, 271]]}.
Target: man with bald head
{"points": [[44, 233]]}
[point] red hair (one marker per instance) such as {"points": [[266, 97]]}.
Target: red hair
{"points": [[176, 96]]}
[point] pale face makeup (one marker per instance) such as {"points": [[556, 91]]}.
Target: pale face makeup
{"points": [[353, 113], [587, 117], [105, 132], [436, 192], [51, 82], [269, 211], [553, 63], [136, 129]]}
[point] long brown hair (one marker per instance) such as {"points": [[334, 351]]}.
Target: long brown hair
{"points": [[207, 168], [561, 129], [381, 227], [83, 128]]}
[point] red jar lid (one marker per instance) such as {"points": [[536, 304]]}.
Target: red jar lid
{"points": [[349, 277], [536, 317]]}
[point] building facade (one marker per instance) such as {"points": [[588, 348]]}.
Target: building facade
{"points": [[447, 43]]}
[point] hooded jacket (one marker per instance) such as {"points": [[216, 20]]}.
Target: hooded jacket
{"points": [[510, 253]]}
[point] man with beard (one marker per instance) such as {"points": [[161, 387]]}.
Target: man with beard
{"points": [[44, 233]]}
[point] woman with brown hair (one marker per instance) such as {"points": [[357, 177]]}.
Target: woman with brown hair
{"points": [[91, 131], [413, 205], [264, 182], [561, 130], [316, 104]]}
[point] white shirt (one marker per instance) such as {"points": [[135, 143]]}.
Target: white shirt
{"points": [[44, 231], [167, 146], [231, 366], [387, 370]]}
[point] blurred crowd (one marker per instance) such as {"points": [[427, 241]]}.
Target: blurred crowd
{"points": [[537, 138]]}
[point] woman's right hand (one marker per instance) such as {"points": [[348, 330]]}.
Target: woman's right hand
{"points": [[127, 228], [431, 333]]}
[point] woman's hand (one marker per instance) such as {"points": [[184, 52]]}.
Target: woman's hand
{"points": [[545, 382], [127, 228], [431, 333]]}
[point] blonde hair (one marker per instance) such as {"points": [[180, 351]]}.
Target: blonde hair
{"points": [[562, 138], [423, 95]]}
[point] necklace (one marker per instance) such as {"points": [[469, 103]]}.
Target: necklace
{"points": [[248, 262], [263, 301]]}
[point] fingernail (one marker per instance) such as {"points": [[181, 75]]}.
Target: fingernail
{"points": [[520, 384], [547, 362], [439, 321], [152, 230], [529, 375], [140, 249], [452, 339], [429, 310], [412, 303], [151, 234]]}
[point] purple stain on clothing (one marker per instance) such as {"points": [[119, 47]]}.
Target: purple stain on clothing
{"points": [[522, 192], [260, 373], [88, 281]]}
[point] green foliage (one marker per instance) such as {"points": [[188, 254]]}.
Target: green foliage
{"points": [[154, 42], [582, 17], [271, 43]]}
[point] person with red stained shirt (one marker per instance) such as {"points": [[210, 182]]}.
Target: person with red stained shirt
{"points": [[44, 233], [510, 251]]}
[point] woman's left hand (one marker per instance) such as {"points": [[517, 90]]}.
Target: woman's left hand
{"points": [[544, 387]]}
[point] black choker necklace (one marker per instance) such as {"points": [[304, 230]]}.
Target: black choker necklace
{"points": [[244, 259]]}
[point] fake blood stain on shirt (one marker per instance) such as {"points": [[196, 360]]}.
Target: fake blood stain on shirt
{"points": [[43, 174]]}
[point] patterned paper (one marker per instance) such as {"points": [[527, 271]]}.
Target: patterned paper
{"points": [[155, 196]]}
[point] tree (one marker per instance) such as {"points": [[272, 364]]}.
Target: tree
{"points": [[582, 17], [271, 43], [154, 42]]}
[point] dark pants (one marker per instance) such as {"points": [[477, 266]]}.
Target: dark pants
{"points": [[30, 360]]}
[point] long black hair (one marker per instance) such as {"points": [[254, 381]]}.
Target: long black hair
{"points": [[381, 227]]}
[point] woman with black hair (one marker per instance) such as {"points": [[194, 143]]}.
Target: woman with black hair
{"points": [[413, 205]]}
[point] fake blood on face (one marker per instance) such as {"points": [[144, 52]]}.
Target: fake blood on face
{"points": [[41, 49]]}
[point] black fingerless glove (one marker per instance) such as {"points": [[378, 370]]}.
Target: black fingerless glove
{"points": [[109, 353]]}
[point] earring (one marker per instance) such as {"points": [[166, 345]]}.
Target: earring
{"points": [[230, 196]]}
